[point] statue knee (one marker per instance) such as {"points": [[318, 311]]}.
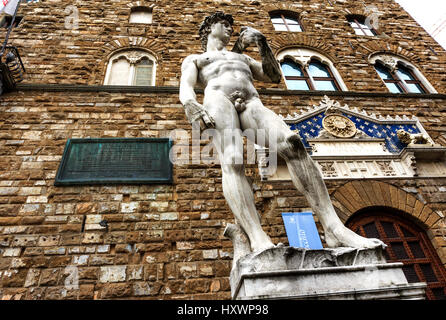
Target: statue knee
{"points": [[232, 159], [233, 168], [232, 162], [292, 147]]}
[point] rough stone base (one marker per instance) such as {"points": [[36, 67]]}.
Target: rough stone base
{"points": [[342, 273]]}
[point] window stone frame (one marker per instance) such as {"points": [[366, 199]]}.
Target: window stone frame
{"points": [[392, 61], [304, 56], [133, 56], [286, 14], [141, 9]]}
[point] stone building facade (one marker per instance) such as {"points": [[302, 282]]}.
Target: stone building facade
{"points": [[165, 241]]}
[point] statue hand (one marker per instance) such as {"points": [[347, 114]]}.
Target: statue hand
{"points": [[196, 112], [250, 36]]}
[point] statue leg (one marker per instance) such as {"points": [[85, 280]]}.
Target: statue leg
{"points": [[305, 176], [240, 198], [236, 188], [308, 180]]}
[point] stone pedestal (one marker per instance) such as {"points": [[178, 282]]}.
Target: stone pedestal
{"points": [[341, 273]]}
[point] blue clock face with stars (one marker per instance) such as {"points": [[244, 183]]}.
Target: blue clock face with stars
{"points": [[311, 127]]}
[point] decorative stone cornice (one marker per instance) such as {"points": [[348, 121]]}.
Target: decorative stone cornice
{"points": [[327, 103], [342, 153]]}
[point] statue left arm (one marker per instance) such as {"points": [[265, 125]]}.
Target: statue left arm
{"points": [[269, 69]]}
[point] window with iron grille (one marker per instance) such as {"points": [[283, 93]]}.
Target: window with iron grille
{"points": [[286, 21], [407, 243]]}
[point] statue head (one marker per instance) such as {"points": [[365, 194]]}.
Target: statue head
{"points": [[205, 27]]}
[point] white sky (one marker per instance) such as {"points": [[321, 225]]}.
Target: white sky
{"points": [[430, 14]]}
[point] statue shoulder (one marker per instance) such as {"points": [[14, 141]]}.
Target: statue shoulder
{"points": [[249, 60], [191, 59]]}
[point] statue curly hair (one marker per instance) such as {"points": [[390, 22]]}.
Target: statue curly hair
{"points": [[205, 27]]}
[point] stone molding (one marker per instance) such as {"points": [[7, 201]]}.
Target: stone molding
{"points": [[174, 89]]}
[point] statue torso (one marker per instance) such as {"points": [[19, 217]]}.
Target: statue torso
{"points": [[225, 71]]}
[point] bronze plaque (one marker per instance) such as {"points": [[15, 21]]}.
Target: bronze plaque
{"points": [[115, 161]]}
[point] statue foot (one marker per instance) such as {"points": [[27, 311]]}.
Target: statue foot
{"points": [[343, 237], [261, 246]]}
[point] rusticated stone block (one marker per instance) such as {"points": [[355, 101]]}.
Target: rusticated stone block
{"points": [[86, 291], [90, 238], [116, 290], [112, 274], [60, 293], [14, 277], [49, 277], [24, 241], [83, 208], [48, 241], [32, 278], [146, 288]]}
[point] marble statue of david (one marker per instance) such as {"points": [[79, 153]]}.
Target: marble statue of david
{"points": [[232, 102]]}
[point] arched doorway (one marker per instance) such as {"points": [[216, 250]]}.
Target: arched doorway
{"points": [[407, 243]]}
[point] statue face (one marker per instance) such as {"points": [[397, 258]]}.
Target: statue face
{"points": [[221, 30]]}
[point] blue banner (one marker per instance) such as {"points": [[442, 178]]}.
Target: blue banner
{"points": [[301, 230]]}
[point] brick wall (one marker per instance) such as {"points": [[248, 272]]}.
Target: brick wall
{"points": [[165, 241], [55, 54]]}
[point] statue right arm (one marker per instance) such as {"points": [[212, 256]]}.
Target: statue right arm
{"points": [[194, 110], [189, 78], [269, 69]]}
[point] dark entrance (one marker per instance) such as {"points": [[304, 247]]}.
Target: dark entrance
{"points": [[407, 243]]}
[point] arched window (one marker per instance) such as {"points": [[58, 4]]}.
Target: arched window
{"points": [[316, 76], [360, 25], [132, 68], [304, 69], [407, 243], [400, 76], [141, 15], [285, 21]]}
